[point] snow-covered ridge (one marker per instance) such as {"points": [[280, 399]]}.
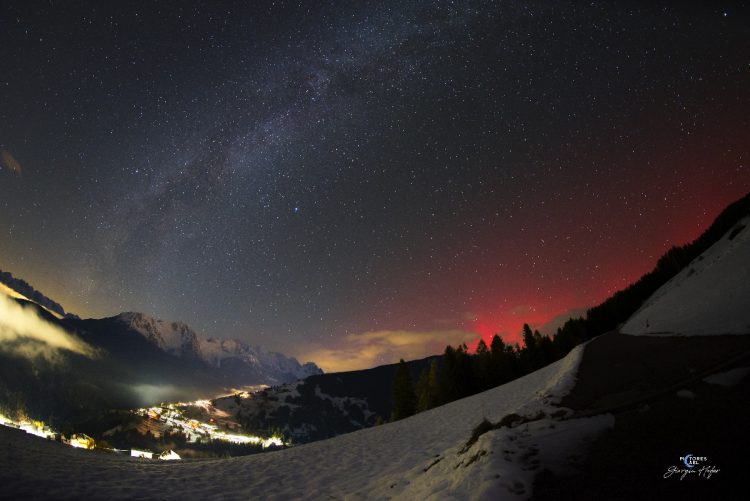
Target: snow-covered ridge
{"points": [[710, 296], [178, 339]]}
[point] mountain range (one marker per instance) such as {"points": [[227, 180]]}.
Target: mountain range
{"points": [[628, 414], [235, 359], [138, 360], [143, 360]]}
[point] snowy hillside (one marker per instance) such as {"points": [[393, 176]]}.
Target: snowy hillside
{"points": [[421, 457], [300, 410], [230, 355], [710, 296]]}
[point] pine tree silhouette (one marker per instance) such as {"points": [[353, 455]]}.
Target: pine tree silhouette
{"points": [[404, 399]]}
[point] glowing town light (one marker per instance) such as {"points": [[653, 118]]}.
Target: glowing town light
{"points": [[275, 441], [82, 441], [172, 416], [32, 430]]}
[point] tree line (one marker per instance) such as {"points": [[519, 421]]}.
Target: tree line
{"points": [[458, 374]]}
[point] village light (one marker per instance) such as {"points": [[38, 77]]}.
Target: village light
{"points": [[82, 441], [171, 416]]}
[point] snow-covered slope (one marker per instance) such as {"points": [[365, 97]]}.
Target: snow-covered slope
{"points": [[710, 296], [422, 457], [230, 355]]}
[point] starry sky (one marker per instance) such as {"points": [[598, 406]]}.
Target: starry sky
{"points": [[355, 182]]}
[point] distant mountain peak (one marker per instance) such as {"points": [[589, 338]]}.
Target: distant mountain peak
{"points": [[176, 338], [230, 355]]}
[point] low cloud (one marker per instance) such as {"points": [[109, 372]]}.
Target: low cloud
{"points": [[522, 310], [23, 332], [150, 394], [370, 349]]}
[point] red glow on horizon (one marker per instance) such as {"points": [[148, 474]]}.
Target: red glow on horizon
{"points": [[509, 324], [485, 332], [508, 327]]}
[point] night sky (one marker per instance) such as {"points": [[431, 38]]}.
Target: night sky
{"points": [[354, 182]]}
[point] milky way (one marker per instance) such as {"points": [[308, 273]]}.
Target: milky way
{"points": [[312, 177]]}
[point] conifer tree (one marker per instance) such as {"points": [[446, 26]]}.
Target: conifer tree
{"points": [[428, 389], [527, 354], [529, 340], [465, 379], [497, 348], [483, 367], [421, 389], [404, 398], [448, 377], [546, 351], [504, 363]]}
